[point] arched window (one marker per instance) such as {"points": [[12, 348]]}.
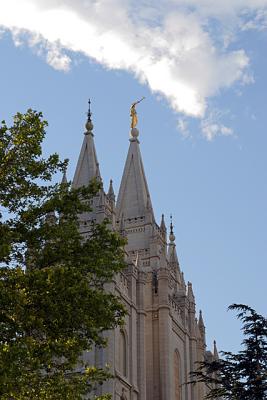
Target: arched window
{"points": [[123, 354], [177, 375]]}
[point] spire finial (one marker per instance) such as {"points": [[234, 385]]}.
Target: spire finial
{"points": [[133, 113], [134, 119], [89, 125], [89, 114], [172, 236]]}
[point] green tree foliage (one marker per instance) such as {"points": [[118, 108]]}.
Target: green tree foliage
{"points": [[53, 306], [241, 376]]}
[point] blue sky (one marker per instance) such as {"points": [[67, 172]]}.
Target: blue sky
{"points": [[202, 67]]}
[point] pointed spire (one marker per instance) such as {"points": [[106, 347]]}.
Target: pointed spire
{"points": [[87, 167], [190, 293], [134, 199], [215, 351], [201, 322], [162, 224], [64, 180], [172, 255], [111, 194], [201, 330]]}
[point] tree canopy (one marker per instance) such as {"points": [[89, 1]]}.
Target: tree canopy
{"points": [[53, 304], [242, 375]]}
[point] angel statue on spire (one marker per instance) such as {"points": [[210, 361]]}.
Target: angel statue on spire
{"points": [[133, 113]]}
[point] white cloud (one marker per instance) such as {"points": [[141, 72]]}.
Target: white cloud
{"points": [[211, 126], [52, 52], [182, 126], [169, 45], [211, 130], [57, 59], [259, 22], [2, 32]]}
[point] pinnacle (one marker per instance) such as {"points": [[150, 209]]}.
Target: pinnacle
{"points": [[171, 236], [88, 166], [162, 224], [215, 351], [64, 177], [111, 193], [200, 321], [134, 198], [190, 292]]}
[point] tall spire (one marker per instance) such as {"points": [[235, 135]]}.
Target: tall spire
{"points": [[134, 198], [190, 293], [87, 167], [173, 259], [111, 194], [64, 180], [215, 351], [172, 236], [172, 255], [201, 325], [162, 224]]}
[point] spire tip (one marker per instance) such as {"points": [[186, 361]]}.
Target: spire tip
{"points": [[162, 224], [172, 236], [111, 193], [89, 125]]}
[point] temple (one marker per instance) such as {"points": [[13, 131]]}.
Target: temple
{"points": [[152, 355]]}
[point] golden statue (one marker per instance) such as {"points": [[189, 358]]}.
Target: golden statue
{"points": [[133, 113]]}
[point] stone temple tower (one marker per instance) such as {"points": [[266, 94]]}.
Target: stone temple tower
{"points": [[152, 355]]}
